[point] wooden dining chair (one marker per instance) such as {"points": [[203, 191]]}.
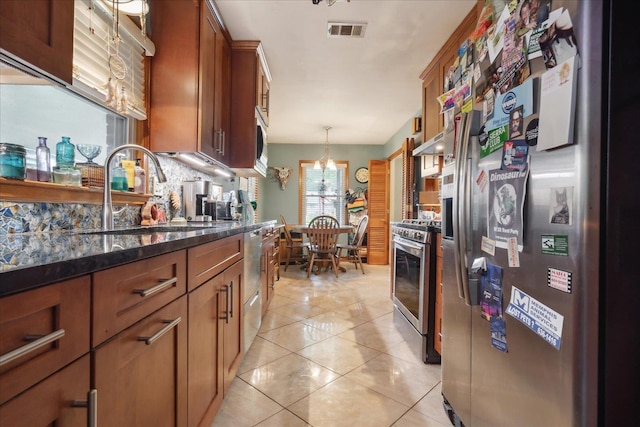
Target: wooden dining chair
{"points": [[323, 239], [295, 246], [353, 248]]}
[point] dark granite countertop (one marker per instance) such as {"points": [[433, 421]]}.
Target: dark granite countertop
{"points": [[31, 260]]}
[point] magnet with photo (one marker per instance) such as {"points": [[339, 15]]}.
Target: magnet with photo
{"points": [[561, 205]]}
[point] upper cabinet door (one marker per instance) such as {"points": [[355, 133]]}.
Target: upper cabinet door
{"points": [[210, 141], [41, 33]]}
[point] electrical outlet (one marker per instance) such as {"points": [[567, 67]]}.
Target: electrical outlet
{"points": [[156, 186]]}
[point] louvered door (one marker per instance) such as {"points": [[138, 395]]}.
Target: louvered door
{"points": [[378, 193]]}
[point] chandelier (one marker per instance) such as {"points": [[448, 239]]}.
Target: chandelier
{"points": [[325, 161]]}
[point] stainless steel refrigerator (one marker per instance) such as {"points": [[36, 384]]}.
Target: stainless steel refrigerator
{"points": [[587, 373]]}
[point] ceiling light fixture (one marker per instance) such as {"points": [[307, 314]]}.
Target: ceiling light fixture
{"points": [[133, 7], [329, 2], [325, 161]]}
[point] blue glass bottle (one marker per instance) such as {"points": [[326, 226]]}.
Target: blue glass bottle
{"points": [[65, 153]]}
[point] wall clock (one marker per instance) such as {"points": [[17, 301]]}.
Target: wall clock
{"points": [[362, 175]]}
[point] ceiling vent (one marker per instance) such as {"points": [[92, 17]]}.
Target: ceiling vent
{"points": [[346, 29]]}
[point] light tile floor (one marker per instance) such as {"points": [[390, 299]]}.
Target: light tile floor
{"points": [[328, 354]]}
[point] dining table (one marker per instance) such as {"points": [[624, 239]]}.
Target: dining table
{"points": [[304, 229]]}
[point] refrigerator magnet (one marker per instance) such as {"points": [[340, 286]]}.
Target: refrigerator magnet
{"points": [[560, 203], [554, 244], [559, 279]]}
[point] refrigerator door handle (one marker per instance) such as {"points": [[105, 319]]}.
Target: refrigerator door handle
{"points": [[464, 206], [456, 215]]}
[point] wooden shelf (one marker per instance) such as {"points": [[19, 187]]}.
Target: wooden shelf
{"points": [[49, 192]]}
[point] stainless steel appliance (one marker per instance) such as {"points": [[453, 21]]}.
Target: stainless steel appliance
{"points": [[414, 284], [196, 195], [219, 210], [581, 270], [251, 286]]}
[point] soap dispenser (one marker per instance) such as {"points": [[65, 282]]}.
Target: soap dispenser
{"points": [[140, 180], [119, 177]]}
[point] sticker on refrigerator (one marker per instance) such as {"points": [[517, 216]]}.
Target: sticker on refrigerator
{"points": [[506, 203], [482, 180], [488, 246], [560, 203], [515, 155], [494, 141], [498, 333], [553, 244], [512, 252], [559, 279], [541, 319], [491, 292]]}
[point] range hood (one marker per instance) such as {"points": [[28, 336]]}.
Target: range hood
{"points": [[432, 147]]}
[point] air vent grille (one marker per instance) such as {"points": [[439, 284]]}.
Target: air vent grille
{"points": [[346, 29]]}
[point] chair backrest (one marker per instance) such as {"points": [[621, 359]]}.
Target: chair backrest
{"points": [[324, 221], [361, 229], [323, 240], [287, 233]]}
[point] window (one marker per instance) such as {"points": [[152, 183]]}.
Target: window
{"points": [[322, 191], [93, 56]]}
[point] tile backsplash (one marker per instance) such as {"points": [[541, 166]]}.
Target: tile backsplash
{"points": [[20, 217]]}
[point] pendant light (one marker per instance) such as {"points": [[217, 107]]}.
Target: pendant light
{"points": [[325, 161]]}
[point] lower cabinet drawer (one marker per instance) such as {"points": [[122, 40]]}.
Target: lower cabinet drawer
{"points": [[206, 261], [123, 295], [41, 331], [141, 374], [60, 400]]}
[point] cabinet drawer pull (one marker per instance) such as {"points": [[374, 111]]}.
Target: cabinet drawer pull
{"points": [[157, 288], [231, 301], [92, 407], [225, 289], [32, 346], [170, 325]]}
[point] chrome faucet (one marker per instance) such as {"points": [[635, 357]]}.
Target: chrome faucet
{"points": [[107, 205]]}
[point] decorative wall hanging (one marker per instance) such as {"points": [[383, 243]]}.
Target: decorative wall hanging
{"points": [[282, 174]]}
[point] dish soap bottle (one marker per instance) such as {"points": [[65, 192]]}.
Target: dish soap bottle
{"points": [[119, 178], [140, 178], [65, 153], [43, 160]]}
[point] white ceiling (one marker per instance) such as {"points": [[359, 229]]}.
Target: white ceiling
{"points": [[367, 88]]}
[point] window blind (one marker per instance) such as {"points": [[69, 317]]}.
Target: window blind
{"points": [[323, 193], [93, 30]]}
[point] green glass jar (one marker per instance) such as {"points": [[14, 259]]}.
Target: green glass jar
{"points": [[13, 161], [65, 153]]}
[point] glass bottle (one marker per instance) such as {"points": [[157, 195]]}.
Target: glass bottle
{"points": [[140, 178], [43, 160], [65, 153], [119, 178]]}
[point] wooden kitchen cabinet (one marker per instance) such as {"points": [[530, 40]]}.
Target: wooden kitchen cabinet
{"points": [[40, 33], [54, 397], [60, 312], [125, 294], [270, 264], [249, 90], [207, 305], [434, 75], [210, 259], [215, 342], [141, 374], [190, 84]]}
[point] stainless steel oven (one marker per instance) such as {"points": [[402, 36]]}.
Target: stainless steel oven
{"points": [[414, 285]]}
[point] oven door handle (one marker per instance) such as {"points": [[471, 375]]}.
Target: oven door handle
{"points": [[408, 244]]}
